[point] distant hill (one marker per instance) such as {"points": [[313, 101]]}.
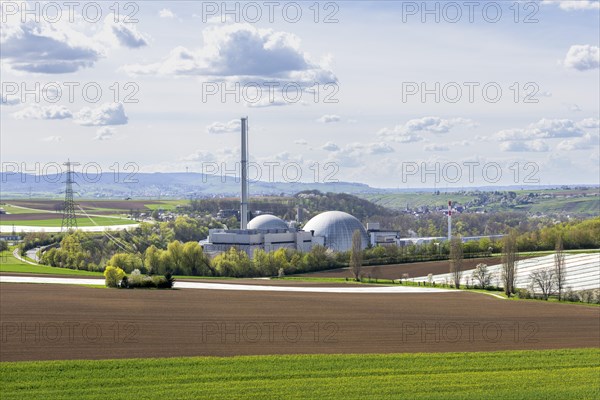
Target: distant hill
{"points": [[158, 185]]}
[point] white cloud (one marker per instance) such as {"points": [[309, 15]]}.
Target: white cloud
{"points": [[587, 142], [544, 129], [224, 127], [241, 51], [523, 146], [435, 124], [47, 112], [408, 132], [328, 118], [104, 133], [266, 102], [330, 146], [61, 47], [166, 13], [128, 36], [436, 147], [200, 156], [583, 57], [353, 154], [106, 114], [45, 48], [52, 139], [589, 123], [575, 4], [301, 142], [4, 100]]}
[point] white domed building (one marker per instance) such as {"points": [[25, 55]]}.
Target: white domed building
{"points": [[267, 222], [337, 228]]}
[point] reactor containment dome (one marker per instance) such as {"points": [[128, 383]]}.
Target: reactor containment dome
{"points": [[267, 222], [337, 228]]}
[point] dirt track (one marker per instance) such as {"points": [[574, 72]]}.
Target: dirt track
{"points": [[57, 322], [396, 271]]}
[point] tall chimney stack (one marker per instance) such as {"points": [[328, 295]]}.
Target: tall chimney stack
{"points": [[244, 174], [450, 220]]}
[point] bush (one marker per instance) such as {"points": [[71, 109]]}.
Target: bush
{"points": [[591, 296], [524, 294], [140, 281], [570, 295], [113, 276]]}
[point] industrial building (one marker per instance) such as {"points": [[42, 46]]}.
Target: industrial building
{"points": [[336, 228], [332, 229]]}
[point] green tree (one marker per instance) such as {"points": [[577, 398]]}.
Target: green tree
{"points": [[126, 261], [456, 260], [195, 262], [152, 259], [509, 262], [356, 255]]}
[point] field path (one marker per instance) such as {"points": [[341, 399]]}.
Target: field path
{"points": [[228, 286]]}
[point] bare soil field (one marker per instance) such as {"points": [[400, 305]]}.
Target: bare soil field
{"points": [[30, 217], [42, 322], [396, 271], [52, 205]]}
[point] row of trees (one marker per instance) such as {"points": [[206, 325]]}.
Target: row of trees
{"points": [[189, 259], [548, 280]]}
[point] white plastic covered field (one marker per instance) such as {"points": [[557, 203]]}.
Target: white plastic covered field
{"points": [[583, 271]]}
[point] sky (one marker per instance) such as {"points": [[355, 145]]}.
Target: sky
{"points": [[391, 94]]}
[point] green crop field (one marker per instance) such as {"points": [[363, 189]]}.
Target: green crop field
{"points": [[8, 263], [400, 200], [584, 206], [20, 210], [547, 374], [56, 222]]}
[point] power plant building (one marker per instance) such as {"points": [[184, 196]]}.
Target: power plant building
{"points": [[332, 229]]}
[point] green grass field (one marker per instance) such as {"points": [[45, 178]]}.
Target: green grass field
{"points": [[8, 263], [549, 374], [21, 210]]}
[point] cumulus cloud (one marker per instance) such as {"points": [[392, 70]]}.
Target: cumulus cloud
{"points": [[353, 154], [45, 48], [104, 133], [52, 139], [436, 147], [224, 127], [241, 51], [570, 5], [200, 156], [328, 118], [106, 114], [435, 124], [128, 36], [60, 47], [4, 100], [409, 132], [266, 102], [301, 142], [47, 112], [583, 57], [166, 13], [589, 123], [545, 129], [523, 146], [330, 146], [586, 142]]}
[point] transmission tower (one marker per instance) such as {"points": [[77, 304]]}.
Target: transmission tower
{"points": [[69, 220]]}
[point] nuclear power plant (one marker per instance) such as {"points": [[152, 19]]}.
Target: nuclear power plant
{"points": [[332, 229]]}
